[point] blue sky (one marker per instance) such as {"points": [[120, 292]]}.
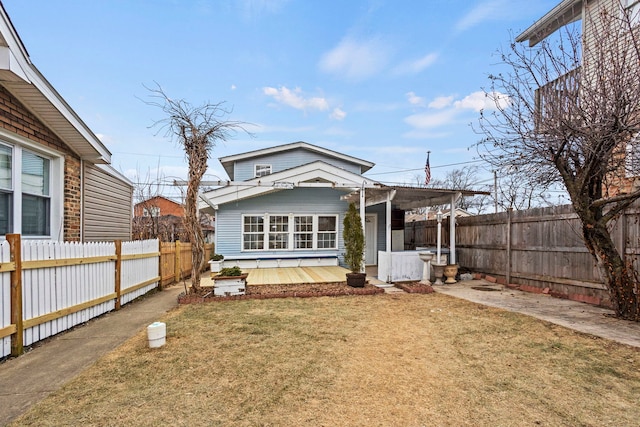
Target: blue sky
{"points": [[381, 80]]}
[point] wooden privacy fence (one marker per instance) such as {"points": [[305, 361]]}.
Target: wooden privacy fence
{"points": [[175, 260], [536, 249]]}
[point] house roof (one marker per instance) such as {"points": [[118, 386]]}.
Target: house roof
{"points": [[314, 174], [228, 162], [23, 80], [159, 197], [410, 197], [566, 12]]}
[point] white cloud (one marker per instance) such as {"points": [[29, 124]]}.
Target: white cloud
{"points": [[338, 114], [260, 128], [295, 99], [478, 101], [448, 110], [414, 99], [233, 87], [441, 102], [416, 66], [355, 59], [430, 120]]}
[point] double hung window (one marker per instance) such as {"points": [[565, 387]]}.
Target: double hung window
{"points": [[25, 192], [289, 232]]}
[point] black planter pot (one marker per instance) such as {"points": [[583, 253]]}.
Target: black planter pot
{"points": [[356, 280]]}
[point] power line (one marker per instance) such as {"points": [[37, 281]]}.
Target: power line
{"points": [[422, 169]]}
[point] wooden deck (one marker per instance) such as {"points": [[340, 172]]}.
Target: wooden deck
{"points": [[296, 275]]}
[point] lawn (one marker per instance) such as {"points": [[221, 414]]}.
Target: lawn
{"points": [[383, 360]]}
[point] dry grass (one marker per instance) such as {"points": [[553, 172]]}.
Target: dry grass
{"points": [[387, 360]]}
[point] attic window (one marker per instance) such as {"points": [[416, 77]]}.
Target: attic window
{"points": [[262, 170]]}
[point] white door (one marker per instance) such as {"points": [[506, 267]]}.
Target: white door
{"points": [[371, 239]]}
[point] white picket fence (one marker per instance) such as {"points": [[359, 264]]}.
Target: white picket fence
{"points": [[5, 299], [66, 283]]}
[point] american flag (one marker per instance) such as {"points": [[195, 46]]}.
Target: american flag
{"points": [[427, 171]]}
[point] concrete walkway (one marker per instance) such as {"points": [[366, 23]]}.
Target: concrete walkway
{"points": [[571, 314], [29, 378]]}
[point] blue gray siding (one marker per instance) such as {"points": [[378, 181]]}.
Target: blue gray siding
{"points": [[244, 169], [299, 201]]}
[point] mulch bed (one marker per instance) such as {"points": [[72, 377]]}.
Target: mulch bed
{"points": [[414, 287], [283, 291]]}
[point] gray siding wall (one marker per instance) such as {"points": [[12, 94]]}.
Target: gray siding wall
{"points": [[297, 201], [107, 206], [245, 169]]}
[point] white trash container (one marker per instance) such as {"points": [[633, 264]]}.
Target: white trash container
{"points": [[157, 334]]}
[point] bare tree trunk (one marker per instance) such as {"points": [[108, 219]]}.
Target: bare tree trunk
{"points": [[622, 286]]}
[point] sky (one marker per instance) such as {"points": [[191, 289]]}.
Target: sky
{"points": [[380, 80]]}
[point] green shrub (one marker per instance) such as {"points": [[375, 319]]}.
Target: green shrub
{"points": [[230, 271]]}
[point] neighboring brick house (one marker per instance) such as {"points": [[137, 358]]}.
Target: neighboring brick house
{"points": [[160, 217], [158, 206], [55, 178]]}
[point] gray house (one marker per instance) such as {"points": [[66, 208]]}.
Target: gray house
{"points": [[284, 207]]}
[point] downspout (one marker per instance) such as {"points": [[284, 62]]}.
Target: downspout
{"points": [[82, 207]]}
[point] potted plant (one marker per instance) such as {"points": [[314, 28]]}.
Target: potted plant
{"points": [[354, 247], [216, 262], [229, 281]]}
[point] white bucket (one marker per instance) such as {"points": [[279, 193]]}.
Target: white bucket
{"points": [[157, 334]]}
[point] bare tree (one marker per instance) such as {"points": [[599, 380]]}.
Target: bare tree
{"points": [[517, 193], [576, 128], [465, 178], [197, 129]]}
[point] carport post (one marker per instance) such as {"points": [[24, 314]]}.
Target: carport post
{"points": [[363, 222], [452, 229]]}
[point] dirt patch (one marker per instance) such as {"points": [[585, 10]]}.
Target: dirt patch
{"points": [[415, 287], [282, 291]]}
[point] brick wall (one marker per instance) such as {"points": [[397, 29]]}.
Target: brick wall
{"points": [[15, 118]]}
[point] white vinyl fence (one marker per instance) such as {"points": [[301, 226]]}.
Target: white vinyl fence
{"points": [[66, 283], [5, 301]]}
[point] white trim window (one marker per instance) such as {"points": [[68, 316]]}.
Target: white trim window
{"points": [[289, 232], [303, 232], [327, 232], [29, 202], [252, 233], [278, 232], [152, 211], [632, 159], [262, 170], [6, 190]]}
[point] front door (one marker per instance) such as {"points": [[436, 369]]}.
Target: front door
{"points": [[371, 239]]}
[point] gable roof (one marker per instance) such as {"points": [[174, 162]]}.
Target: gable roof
{"points": [[314, 174], [23, 80], [228, 162], [150, 199], [566, 12]]}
